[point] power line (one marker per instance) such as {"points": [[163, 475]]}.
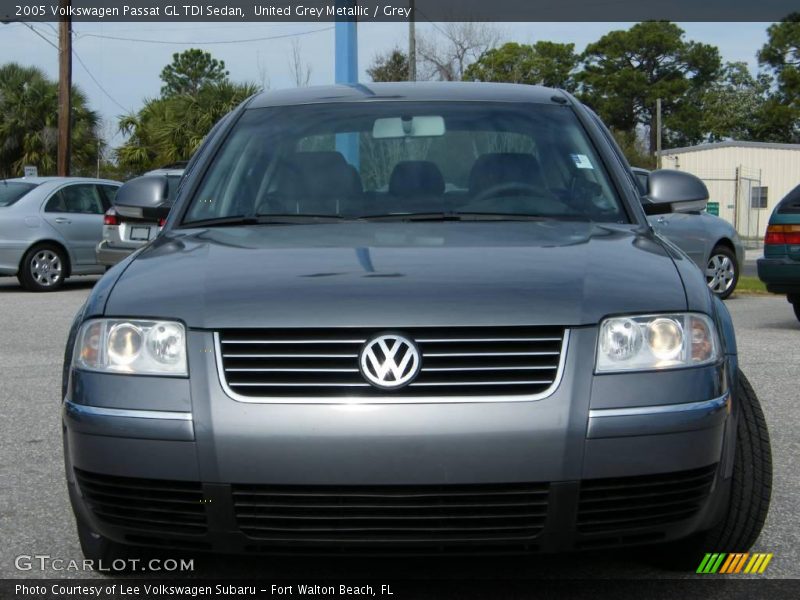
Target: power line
{"points": [[40, 34], [205, 43], [97, 83], [80, 60]]}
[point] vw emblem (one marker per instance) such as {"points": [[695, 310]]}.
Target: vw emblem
{"points": [[389, 361]]}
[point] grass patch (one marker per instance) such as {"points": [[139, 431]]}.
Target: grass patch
{"points": [[750, 285]]}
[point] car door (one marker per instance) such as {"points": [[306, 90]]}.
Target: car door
{"points": [[685, 230], [76, 212]]}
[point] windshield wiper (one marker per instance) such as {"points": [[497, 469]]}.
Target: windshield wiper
{"points": [[454, 216], [284, 219]]}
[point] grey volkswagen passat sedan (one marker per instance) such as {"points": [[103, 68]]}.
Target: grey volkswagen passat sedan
{"points": [[49, 227], [410, 319]]}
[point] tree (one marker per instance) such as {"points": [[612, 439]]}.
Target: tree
{"points": [[543, 63], [29, 124], [447, 57], [625, 72], [171, 128], [301, 72], [733, 106], [781, 55], [190, 71], [392, 66]]}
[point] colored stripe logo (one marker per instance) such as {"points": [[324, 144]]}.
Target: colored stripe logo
{"points": [[733, 563]]}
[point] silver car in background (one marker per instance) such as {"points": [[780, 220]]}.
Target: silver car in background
{"points": [[709, 241], [125, 232], [49, 227]]}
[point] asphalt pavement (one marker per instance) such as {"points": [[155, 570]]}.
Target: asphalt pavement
{"points": [[35, 517]]}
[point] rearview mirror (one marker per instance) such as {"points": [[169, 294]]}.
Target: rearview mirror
{"points": [[399, 127], [143, 197], [674, 191]]}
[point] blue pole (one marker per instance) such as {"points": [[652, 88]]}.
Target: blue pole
{"points": [[346, 72]]}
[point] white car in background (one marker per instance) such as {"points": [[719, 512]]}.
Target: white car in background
{"points": [[49, 227], [125, 231], [709, 241]]}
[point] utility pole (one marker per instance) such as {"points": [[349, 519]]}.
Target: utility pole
{"points": [[658, 133], [64, 90], [412, 43]]}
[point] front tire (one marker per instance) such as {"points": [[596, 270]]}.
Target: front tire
{"points": [[795, 301], [722, 272], [750, 492], [43, 268]]}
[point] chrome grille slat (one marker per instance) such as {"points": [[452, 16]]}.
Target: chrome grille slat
{"points": [[460, 354], [294, 341], [323, 364]]}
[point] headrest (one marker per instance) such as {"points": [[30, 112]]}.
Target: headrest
{"points": [[322, 174], [416, 178]]}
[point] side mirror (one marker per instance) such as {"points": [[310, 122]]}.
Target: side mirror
{"points": [[674, 191], [143, 197]]}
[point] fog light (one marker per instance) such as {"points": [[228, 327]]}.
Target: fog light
{"points": [[165, 343], [620, 339]]}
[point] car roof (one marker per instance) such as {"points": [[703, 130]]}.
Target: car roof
{"points": [[40, 180], [411, 91]]}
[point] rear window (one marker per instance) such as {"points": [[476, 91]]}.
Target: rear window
{"points": [[791, 203], [11, 191]]}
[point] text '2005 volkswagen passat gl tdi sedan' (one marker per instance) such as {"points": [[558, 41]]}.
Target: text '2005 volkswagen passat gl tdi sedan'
{"points": [[410, 318]]}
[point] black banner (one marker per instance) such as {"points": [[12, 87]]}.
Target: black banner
{"points": [[398, 10], [142, 589]]}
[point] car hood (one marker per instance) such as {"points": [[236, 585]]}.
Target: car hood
{"points": [[399, 275]]}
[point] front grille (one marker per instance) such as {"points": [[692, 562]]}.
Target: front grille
{"points": [[412, 516], [455, 361], [624, 503], [152, 505]]}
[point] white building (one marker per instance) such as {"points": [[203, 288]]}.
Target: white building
{"points": [[745, 179]]}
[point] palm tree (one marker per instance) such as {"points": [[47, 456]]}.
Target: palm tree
{"points": [[169, 129], [29, 123]]}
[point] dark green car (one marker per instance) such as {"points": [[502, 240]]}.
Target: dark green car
{"points": [[780, 267]]}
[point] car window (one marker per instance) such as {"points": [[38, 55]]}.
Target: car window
{"points": [[80, 198], [790, 203], [173, 181], [109, 193], [356, 160], [11, 191], [641, 181]]}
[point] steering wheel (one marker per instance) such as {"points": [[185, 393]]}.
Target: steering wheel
{"points": [[511, 188]]}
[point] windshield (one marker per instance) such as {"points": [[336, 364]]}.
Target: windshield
{"points": [[383, 159], [11, 191]]}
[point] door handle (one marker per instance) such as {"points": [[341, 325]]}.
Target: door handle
{"points": [[63, 221]]}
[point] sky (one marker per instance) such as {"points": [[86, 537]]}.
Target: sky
{"points": [[118, 75]]}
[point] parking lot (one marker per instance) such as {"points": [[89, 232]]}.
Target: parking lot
{"points": [[35, 517]]}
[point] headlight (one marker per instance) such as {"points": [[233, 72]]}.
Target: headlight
{"points": [[131, 346], [652, 342]]}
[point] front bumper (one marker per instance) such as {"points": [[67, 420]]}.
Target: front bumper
{"points": [[605, 460], [781, 275], [109, 255]]}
